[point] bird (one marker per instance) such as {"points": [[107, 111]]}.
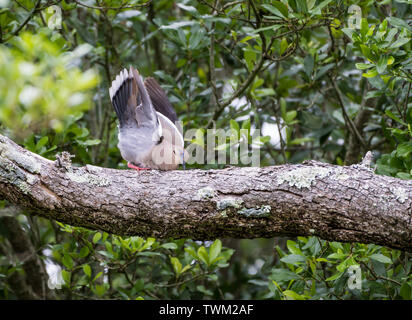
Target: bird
{"points": [[148, 132]]}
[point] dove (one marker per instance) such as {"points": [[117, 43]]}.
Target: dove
{"points": [[148, 132]]}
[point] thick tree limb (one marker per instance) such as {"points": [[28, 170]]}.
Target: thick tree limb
{"points": [[332, 202]]}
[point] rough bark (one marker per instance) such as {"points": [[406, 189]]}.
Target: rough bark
{"points": [[332, 202]]}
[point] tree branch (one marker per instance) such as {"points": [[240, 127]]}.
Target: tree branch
{"points": [[28, 18], [349, 204]]}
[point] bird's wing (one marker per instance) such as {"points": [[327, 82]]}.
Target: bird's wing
{"points": [[165, 111], [146, 115], [123, 95], [159, 99]]}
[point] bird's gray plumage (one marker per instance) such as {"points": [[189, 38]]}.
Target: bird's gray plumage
{"points": [[147, 138]]}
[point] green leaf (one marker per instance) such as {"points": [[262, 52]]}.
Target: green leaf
{"points": [[283, 46], [67, 261], [203, 255], [177, 266], [66, 275], [148, 244], [302, 6], [322, 70], [87, 270], [406, 291], [84, 251], [100, 289], [246, 124], [283, 275], [196, 38], [404, 149], [191, 251], [250, 57], [371, 73], [381, 258], [289, 116], [293, 295], [109, 248], [169, 245], [399, 43], [382, 63], [392, 116], [178, 25], [308, 64], [364, 27], [349, 32], [383, 26], [293, 247], [335, 276], [400, 23], [269, 28], [366, 52], [185, 268], [190, 9], [320, 6], [42, 142], [277, 8], [98, 276], [234, 125], [363, 66], [294, 259], [214, 250], [97, 236]]}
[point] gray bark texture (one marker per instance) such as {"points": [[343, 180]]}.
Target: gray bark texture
{"points": [[349, 204]]}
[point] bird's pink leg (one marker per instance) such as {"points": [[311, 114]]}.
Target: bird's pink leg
{"points": [[132, 166]]}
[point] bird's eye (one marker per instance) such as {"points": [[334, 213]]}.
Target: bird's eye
{"points": [[160, 139]]}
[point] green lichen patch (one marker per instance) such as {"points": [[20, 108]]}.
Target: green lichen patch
{"points": [[400, 194], [223, 204], [340, 176], [224, 214], [26, 162], [23, 186], [206, 193], [259, 212], [12, 174], [81, 176], [302, 177]]}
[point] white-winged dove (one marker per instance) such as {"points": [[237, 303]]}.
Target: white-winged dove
{"points": [[148, 136]]}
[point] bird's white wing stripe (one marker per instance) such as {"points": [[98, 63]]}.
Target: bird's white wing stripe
{"points": [[118, 81]]}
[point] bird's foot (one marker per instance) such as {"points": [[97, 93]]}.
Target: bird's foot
{"points": [[132, 166]]}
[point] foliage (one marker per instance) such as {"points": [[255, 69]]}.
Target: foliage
{"points": [[318, 87], [103, 265]]}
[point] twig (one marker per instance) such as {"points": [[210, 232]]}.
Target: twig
{"points": [[113, 8], [212, 63], [405, 105], [351, 125], [379, 277], [28, 18]]}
